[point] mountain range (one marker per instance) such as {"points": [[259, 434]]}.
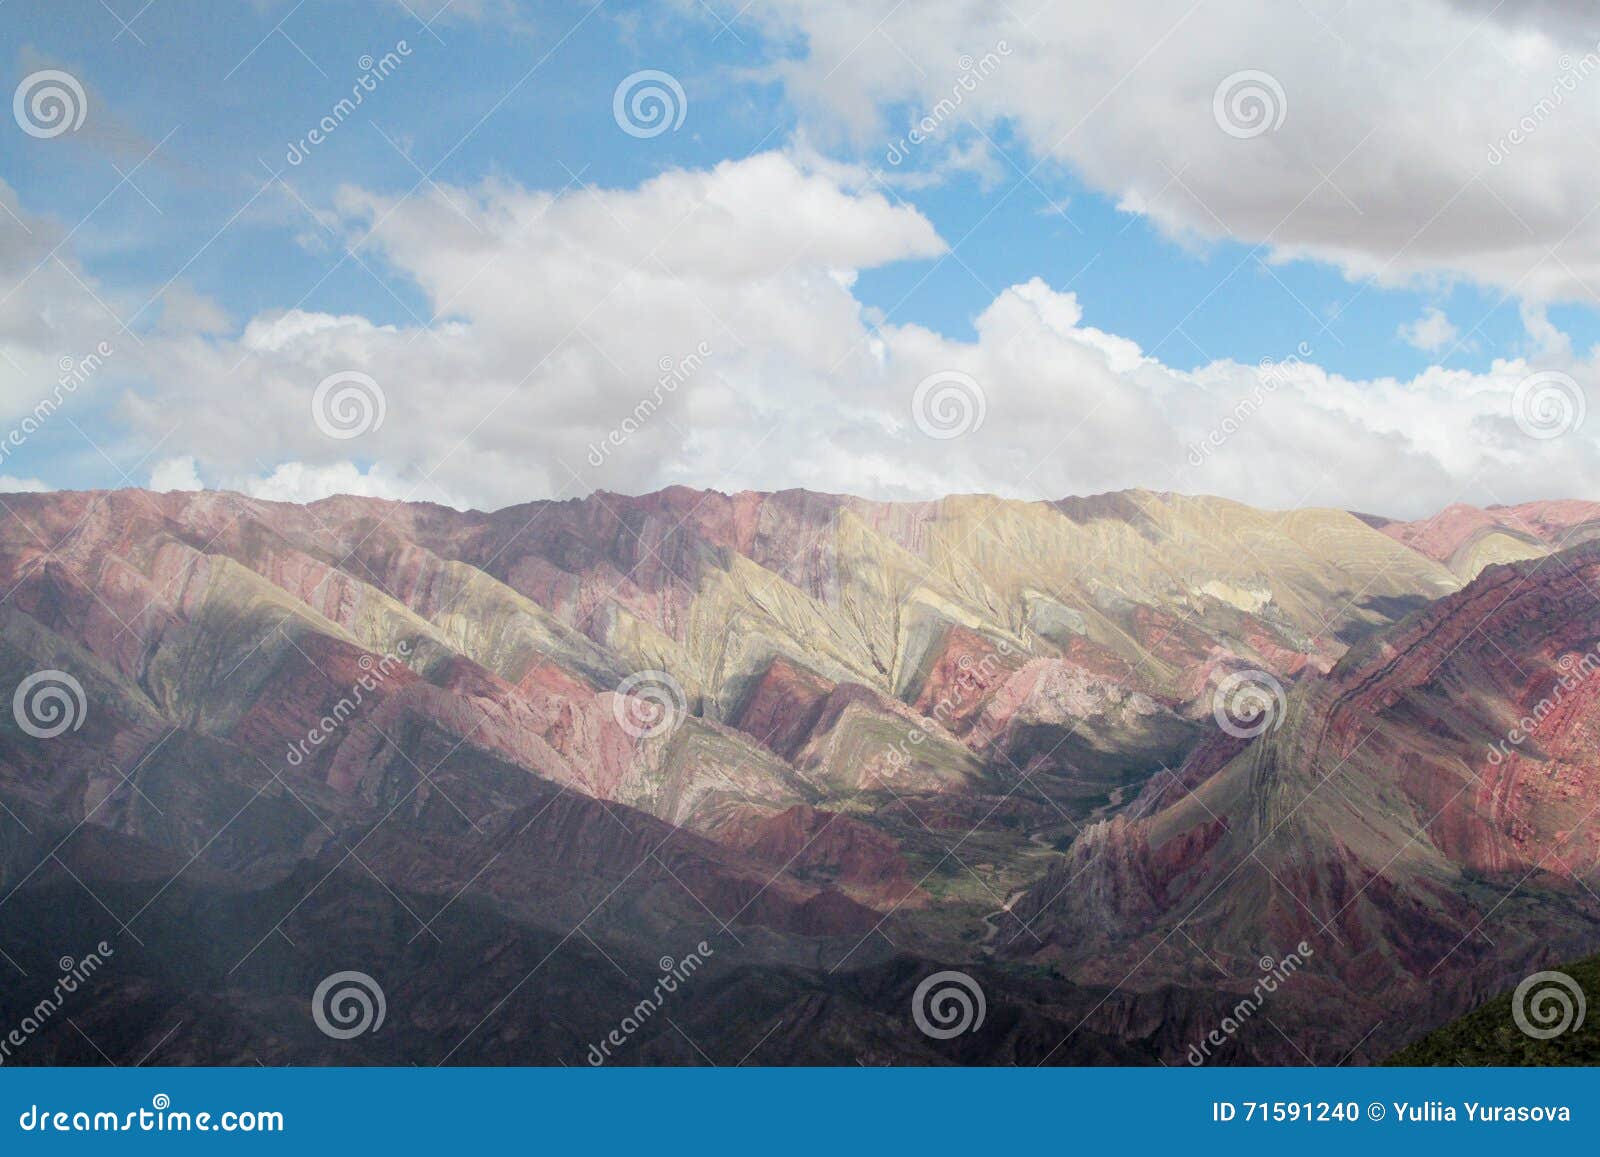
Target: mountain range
{"points": [[1112, 758]]}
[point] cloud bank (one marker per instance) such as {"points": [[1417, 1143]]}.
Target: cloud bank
{"points": [[1393, 140], [702, 328]]}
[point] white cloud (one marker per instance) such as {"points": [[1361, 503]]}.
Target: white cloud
{"points": [[1431, 332], [1550, 343], [556, 316], [1415, 138], [9, 484], [50, 322], [703, 329], [175, 474], [298, 482]]}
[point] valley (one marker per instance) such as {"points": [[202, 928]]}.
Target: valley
{"points": [[1106, 755]]}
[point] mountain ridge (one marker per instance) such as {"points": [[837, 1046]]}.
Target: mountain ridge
{"points": [[856, 727], [1103, 496]]}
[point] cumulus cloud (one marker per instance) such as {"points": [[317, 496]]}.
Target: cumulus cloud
{"points": [[1431, 332], [46, 313], [1392, 139], [298, 482], [175, 474], [553, 321], [61, 342], [703, 328], [10, 484]]}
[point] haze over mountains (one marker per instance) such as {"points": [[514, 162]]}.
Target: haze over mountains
{"points": [[856, 742]]}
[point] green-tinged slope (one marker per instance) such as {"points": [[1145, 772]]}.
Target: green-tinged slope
{"points": [[1492, 1036]]}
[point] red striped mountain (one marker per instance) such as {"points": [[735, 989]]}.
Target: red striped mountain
{"points": [[1424, 818], [1469, 538], [1075, 641], [882, 720]]}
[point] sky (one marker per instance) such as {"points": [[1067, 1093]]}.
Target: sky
{"points": [[477, 252]]}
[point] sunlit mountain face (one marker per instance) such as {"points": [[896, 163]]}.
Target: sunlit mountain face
{"points": [[1120, 763]]}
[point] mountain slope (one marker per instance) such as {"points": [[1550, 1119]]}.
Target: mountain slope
{"points": [[553, 604], [1490, 1035], [1468, 538], [847, 742], [1383, 822]]}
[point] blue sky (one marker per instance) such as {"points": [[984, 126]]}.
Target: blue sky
{"points": [[175, 200]]}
